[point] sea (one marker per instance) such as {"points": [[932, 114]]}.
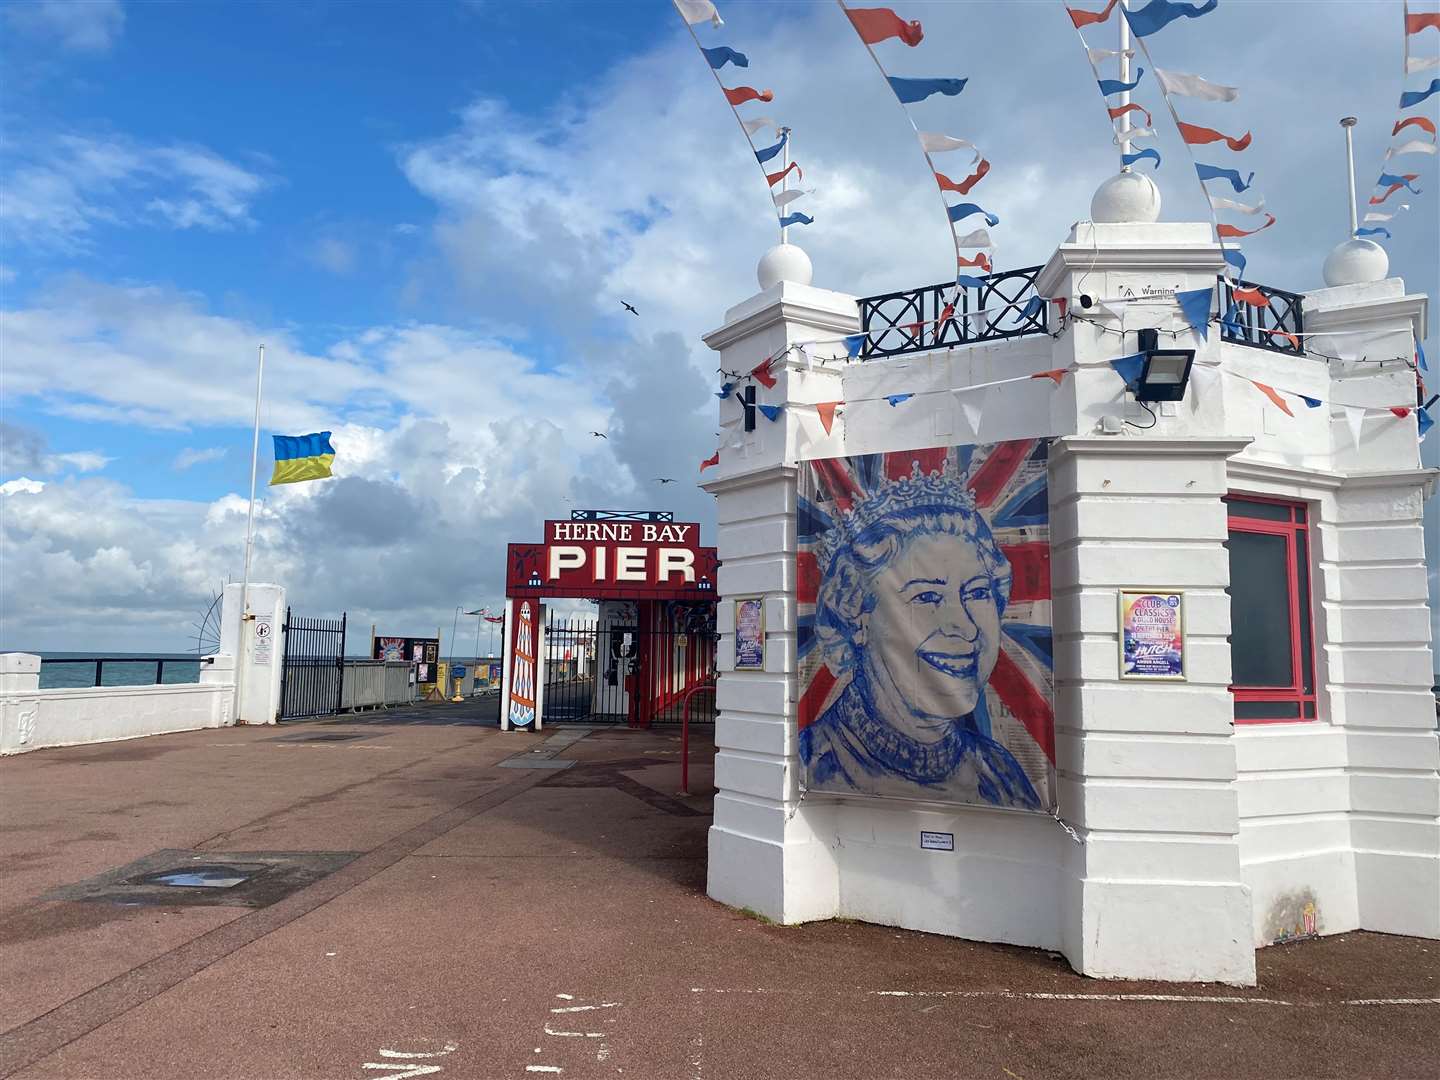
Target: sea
{"points": [[68, 670]]}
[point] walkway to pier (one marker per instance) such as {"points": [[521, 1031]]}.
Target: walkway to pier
{"points": [[382, 897]]}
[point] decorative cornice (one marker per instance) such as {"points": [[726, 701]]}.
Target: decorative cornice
{"points": [[1121, 446], [728, 485], [1293, 475], [1372, 314], [1133, 257], [783, 311]]}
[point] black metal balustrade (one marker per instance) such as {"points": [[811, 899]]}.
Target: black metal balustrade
{"points": [[123, 670], [1278, 326], [910, 321]]}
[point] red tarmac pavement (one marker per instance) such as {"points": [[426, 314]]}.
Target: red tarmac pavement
{"points": [[500, 922]]}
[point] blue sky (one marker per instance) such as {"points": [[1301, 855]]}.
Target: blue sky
{"points": [[429, 213]]}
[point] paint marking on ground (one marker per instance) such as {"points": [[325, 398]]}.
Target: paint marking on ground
{"points": [[575, 1034], [1394, 1001], [406, 1064], [449, 1049], [1037, 995], [587, 1008], [404, 1071], [566, 997], [544, 1068]]}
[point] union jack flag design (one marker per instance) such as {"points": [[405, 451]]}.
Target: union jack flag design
{"points": [[1006, 485]]}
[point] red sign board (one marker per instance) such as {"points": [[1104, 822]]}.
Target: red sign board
{"points": [[656, 560]]}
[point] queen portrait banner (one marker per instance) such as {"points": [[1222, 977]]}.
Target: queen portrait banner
{"points": [[924, 633]]}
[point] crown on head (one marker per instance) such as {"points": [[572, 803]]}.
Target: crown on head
{"points": [[943, 490]]}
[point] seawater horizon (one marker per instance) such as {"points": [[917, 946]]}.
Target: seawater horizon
{"points": [[121, 668]]}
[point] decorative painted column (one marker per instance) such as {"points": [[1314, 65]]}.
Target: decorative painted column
{"points": [[765, 851]]}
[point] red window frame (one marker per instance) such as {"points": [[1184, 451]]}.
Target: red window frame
{"points": [[1294, 527]]}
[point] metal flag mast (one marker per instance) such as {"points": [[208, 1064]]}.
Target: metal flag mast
{"points": [[245, 616], [1124, 94], [784, 183], [1348, 123]]}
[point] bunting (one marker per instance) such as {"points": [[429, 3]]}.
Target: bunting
{"points": [[697, 12], [1111, 87], [877, 26], [1158, 14], [1196, 135], [1389, 183]]}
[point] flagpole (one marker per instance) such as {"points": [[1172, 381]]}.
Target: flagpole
{"points": [[240, 659], [1124, 94], [1348, 123], [784, 183]]}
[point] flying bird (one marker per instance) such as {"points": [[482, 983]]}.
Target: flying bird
{"points": [[664, 479], [629, 308], [600, 435]]}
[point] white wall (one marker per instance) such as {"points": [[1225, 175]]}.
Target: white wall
{"points": [[31, 718], [1199, 839], [245, 638]]}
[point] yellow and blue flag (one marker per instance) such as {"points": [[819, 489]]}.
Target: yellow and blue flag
{"points": [[302, 457]]}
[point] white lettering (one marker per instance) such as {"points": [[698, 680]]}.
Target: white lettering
{"points": [[630, 564], [565, 557], [677, 561], [647, 534], [599, 567]]}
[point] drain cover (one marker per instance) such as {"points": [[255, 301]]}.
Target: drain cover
{"points": [[204, 877], [176, 877]]}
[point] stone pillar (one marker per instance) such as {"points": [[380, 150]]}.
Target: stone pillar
{"points": [[766, 851], [258, 646], [19, 701], [1147, 770]]}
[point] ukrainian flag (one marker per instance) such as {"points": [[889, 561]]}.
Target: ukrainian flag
{"points": [[302, 457]]}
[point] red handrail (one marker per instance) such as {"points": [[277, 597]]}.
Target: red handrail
{"points": [[685, 736]]}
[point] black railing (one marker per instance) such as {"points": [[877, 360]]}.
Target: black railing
{"points": [[911, 321], [313, 680], [82, 671], [1278, 326]]}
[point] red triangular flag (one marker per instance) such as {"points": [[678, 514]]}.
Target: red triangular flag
{"points": [[1054, 373], [1400, 411], [741, 94], [761, 373], [1252, 296], [776, 177], [826, 409], [1273, 395], [875, 25], [1080, 17], [713, 459], [963, 186]]}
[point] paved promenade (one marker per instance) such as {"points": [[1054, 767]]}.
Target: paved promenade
{"points": [[392, 897]]}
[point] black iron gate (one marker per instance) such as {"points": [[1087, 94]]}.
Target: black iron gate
{"points": [[637, 671], [313, 681]]}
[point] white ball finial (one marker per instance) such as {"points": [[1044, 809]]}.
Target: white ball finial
{"points": [[1354, 262], [784, 262], [1126, 197]]}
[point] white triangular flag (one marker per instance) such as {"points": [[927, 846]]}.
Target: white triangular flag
{"points": [[972, 406], [1117, 308], [1203, 379], [932, 143], [1220, 203], [1415, 146], [978, 238], [1420, 63], [1375, 215], [1099, 56], [752, 126], [1177, 82], [1355, 417], [783, 197], [698, 11], [1135, 133]]}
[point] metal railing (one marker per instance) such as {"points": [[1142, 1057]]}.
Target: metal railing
{"points": [[910, 321], [374, 684], [1278, 326], [123, 670]]}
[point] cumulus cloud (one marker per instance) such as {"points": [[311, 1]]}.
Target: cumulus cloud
{"points": [[61, 188], [89, 26], [189, 457], [24, 449]]}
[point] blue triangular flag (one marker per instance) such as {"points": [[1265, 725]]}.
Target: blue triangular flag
{"points": [[1425, 422], [969, 281], [1033, 307], [725, 389], [853, 344], [1235, 258], [772, 412], [1140, 155], [720, 55], [896, 399], [1129, 368], [797, 218], [1230, 322], [1311, 402], [1195, 306], [1420, 356]]}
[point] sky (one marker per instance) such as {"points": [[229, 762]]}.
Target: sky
{"points": [[430, 213]]}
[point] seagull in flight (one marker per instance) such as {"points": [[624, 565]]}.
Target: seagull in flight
{"points": [[600, 435], [629, 308], [664, 479]]}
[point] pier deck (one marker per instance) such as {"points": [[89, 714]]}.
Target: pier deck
{"points": [[408, 890]]}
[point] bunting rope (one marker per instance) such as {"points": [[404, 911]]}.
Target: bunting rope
{"points": [[1414, 23], [694, 12], [1121, 113], [876, 25]]}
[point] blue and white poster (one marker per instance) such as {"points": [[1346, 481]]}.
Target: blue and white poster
{"points": [[924, 629]]}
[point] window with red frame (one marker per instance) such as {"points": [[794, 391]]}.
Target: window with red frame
{"points": [[1272, 649]]}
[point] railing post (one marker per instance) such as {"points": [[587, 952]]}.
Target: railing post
{"points": [[99, 668], [340, 661], [159, 671]]}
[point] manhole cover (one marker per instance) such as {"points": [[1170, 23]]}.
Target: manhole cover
{"points": [[203, 877], [175, 877]]}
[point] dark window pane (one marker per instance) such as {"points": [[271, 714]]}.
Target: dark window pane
{"points": [[1263, 510], [1259, 610], [1302, 587], [1309, 710], [1267, 710], [1300, 513]]}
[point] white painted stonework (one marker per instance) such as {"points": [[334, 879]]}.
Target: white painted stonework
{"points": [[1198, 839]]}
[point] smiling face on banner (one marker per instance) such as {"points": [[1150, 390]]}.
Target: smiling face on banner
{"points": [[925, 642]]}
